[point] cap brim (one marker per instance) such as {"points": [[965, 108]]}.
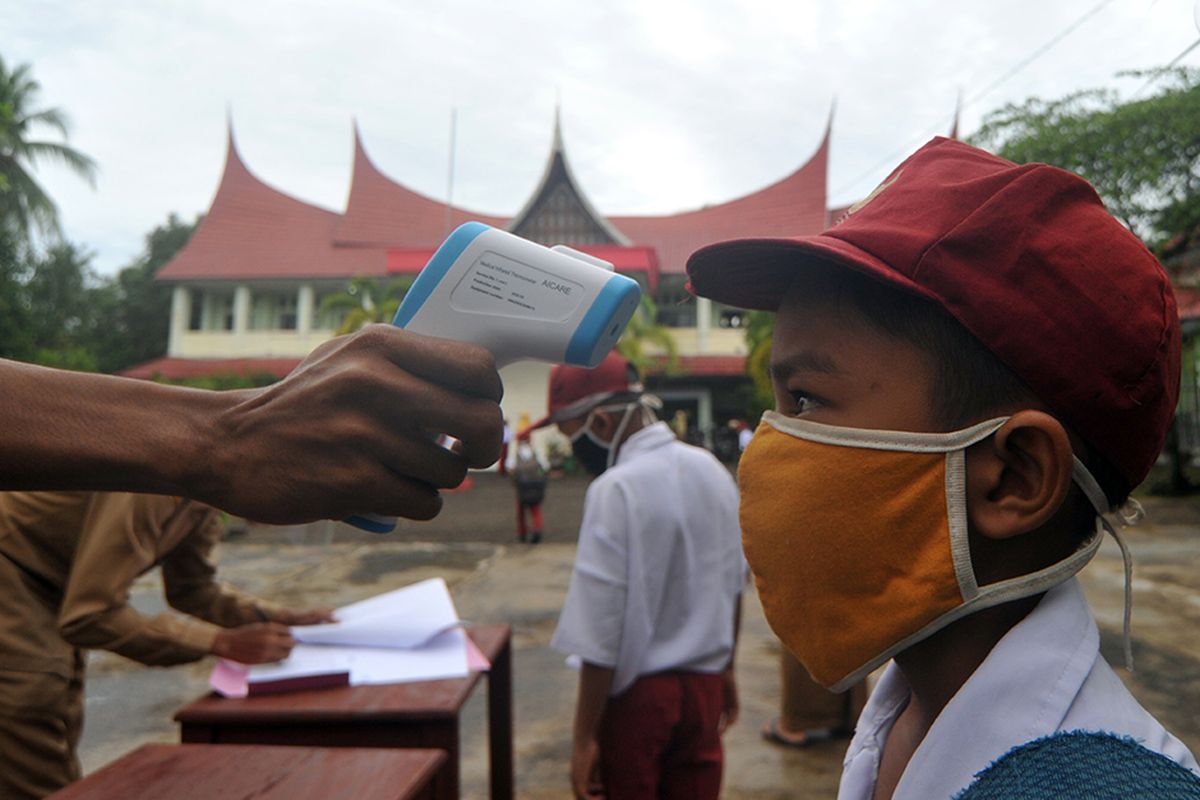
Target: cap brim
{"points": [[756, 273]]}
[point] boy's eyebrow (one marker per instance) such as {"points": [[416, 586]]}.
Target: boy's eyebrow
{"points": [[803, 361]]}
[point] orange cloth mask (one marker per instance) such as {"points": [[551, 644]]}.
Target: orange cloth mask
{"points": [[858, 540]]}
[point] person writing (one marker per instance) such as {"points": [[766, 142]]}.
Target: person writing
{"points": [[67, 560], [972, 371]]}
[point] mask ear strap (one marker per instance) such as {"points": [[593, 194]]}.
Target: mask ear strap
{"points": [[616, 440], [649, 405], [1128, 515]]}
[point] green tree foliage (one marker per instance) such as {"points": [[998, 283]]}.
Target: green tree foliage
{"points": [[759, 327], [1142, 155], [366, 300], [15, 338], [225, 382], [136, 309], [645, 343], [24, 205], [55, 310], [61, 317]]}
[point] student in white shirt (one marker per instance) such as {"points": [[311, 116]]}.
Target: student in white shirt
{"points": [[653, 602]]}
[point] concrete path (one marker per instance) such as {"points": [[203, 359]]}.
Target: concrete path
{"points": [[495, 579]]}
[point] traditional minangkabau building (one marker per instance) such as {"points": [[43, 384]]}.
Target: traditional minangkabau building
{"points": [[248, 287]]}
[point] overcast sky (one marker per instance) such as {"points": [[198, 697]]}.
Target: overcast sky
{"points": [[666, 104]]}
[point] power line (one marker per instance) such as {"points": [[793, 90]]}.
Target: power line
{"points": [[1040, 51], [1159, 73], [1036, 54]]}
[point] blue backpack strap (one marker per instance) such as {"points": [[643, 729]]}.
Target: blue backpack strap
{"points": [[1083, 765]]}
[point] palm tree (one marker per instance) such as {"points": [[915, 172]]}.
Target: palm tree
{"points": [[366, 300], [759, 327], [24, 205], [645, 342]]}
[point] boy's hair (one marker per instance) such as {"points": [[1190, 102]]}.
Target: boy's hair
{"points": [[969, 382], [1025, 259]]}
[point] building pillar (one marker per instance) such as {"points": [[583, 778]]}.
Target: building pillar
{"points": [[304, 309], [703, 323], [181, 313], [241, 310], [704, 416]]}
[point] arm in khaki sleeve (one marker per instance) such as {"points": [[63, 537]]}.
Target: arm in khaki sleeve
{"points": [[189, 575], [116, 544]]}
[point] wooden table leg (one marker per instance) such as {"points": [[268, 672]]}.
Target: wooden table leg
{"points": [[446, 782], [500, 724], [197, 734]]}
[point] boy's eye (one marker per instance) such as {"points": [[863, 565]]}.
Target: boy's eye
{"points": [[802, 402]]}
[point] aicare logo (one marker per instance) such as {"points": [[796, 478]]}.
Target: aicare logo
{"points": [[556, 286]]}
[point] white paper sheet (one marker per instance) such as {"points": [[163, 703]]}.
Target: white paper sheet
{"points": [[410, 634], [444, 656], [406, 617]]}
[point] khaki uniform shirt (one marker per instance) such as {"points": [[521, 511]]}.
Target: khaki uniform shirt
{"points": [[84, 550]]}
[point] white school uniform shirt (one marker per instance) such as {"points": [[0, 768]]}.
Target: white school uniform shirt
{"points": [[1046, 675], [659, 567]]}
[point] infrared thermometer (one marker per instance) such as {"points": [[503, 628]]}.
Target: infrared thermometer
{"points": [[520, 301]]}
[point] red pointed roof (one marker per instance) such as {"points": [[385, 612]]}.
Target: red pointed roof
{"points": [[792, 206], [557, 176], [254, 231], [383, 213]]}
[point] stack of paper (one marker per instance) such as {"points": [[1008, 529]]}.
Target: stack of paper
{"points": [[411, 634]]}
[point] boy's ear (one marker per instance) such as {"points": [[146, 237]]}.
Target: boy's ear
{"points": [[603, 425], [1018, 478]]}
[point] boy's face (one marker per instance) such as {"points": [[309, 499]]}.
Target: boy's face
{"points": [[829, 365]]}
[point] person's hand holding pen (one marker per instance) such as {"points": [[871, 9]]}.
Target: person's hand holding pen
{"points": [[255, 643], [268, 640]]}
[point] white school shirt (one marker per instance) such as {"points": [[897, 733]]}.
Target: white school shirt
{"points": [[1046, 675], [659, 567]]}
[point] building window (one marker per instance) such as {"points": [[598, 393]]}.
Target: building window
{"points": [[273, 311], [211, 311], [676, 307], [287, 313], [732, 318], [196, 311], [331, 318]]}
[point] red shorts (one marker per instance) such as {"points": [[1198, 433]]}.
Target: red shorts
{"points": [[660, 738]]}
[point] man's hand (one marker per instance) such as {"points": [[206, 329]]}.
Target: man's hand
{"points": [[308, 616], [257, 643], [585, 770], [354, 429], [730, 707]]}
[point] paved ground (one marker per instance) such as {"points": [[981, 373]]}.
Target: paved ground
{"points": [[494, 579]]}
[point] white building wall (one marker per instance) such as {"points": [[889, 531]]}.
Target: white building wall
{"points": [[525, 383]]}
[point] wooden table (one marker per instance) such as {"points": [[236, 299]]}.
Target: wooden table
{"points": [[424, 714], [202, 772]]}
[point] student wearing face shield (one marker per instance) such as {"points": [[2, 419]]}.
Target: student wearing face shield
{"points": [[654, 598]]}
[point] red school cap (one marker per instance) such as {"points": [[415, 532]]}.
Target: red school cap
{"points": [[1028, 260], [574, 391]]}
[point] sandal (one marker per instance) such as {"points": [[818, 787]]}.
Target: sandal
{"points": [[775, 734]]}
